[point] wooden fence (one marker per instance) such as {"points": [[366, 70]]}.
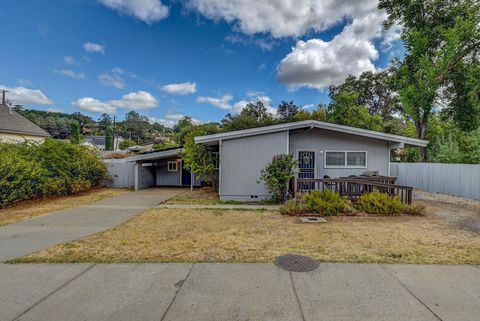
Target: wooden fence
{"points": [[353, 188], [453, 179]]}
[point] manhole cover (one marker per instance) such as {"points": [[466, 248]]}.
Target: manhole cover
{"points": [[296, 263]]}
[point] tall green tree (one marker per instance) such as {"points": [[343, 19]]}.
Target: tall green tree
{"points": [[109, 138], [344, 110], [104, 121], [438, 36], [286, 111], [75, 137], [253, 115]]}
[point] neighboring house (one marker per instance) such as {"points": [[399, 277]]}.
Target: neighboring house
{"points": [[321, 149], [14, 128], [99, 142], [140, 148]]}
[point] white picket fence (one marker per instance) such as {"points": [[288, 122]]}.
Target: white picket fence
{"points": [[452, 179]]}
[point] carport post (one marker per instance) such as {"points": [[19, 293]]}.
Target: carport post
{"points": [[135, 177]]}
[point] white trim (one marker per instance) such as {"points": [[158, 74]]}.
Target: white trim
{"points": [[315, 153], [346, 160], [172, 170], [313, 124]]}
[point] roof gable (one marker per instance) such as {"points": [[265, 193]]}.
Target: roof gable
{"points": [[312, 124], [12, 122]]}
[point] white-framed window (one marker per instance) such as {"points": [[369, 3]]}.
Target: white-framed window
{"points": [[172, 166], [345, 159]]}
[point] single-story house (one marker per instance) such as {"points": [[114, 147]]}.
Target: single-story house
{"points": [[98, 142], [14, 128], [321, 149]]}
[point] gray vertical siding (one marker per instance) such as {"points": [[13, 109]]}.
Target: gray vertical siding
{"points": [[453, 179], [166, 178], [241, 161], [378, 151], [121, 173]]}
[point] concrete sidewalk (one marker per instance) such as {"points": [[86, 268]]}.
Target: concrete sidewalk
{"points": [[32, 235], [223, 292]]}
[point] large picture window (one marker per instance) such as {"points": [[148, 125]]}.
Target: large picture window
{"points": [[345, 159]]}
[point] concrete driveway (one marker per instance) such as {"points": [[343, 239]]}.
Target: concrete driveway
{"points": [[224, 292], [32, 235]]}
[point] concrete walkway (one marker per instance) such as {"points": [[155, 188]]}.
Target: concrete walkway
{"points": [[221, 206], [32, 235], [224, 292]]}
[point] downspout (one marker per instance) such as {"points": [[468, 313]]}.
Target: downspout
{"points": [[219, 167]]}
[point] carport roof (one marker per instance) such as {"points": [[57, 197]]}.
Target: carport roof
{"points": [[311, 124], [155, 155]]}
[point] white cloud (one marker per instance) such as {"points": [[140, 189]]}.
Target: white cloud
{"points": [[69, 60], [70, 73], [94, 105], [132, 101], [185, 88], [286, 18], [317, 64], [221, 102], [112, 80], [170, 120], [225, 102], [24, 96], [136, 100], [93, 47], [148, 11]]}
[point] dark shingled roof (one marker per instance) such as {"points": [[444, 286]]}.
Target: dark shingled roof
{"points": [[12, 122]]}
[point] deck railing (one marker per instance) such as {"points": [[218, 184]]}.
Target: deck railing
{"points": [[353, 188]]}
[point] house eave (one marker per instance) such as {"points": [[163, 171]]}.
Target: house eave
{"points": [[407, 141]]}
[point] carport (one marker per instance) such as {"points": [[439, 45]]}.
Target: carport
{"points": [[164, 168]]}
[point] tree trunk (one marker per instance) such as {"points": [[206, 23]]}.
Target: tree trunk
{"points": [[421, 128]]}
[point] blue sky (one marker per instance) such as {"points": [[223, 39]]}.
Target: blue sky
{"points": [[202, 58]]}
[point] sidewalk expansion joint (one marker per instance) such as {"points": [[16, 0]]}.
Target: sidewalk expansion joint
{"points": [[408, 290], [176, 292], [296, 297], [54, 291]]}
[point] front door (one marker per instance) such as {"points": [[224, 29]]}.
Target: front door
{"points": [[306, 166]]}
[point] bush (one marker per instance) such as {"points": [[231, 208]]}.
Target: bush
{"points": [[324, 202], [277, 174], [51, 168], [415, 209], [379, 203]]}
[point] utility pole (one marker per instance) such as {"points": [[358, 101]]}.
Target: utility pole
{"points": [[114, 141]]}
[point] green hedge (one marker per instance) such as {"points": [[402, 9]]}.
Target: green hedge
{"points": [[326, 203], [52, 168]]}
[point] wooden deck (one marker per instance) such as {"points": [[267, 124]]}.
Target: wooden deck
{"points": [[354, 187]]}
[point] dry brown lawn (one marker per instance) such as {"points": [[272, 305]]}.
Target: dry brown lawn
{"points": [[37, 207], [202, 196], [168, 235]]}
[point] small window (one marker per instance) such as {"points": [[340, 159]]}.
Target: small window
{"points": [[341, 159], [172, 166]]}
